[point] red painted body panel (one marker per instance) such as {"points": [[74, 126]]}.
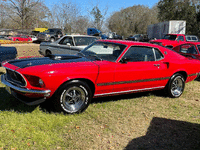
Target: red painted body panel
{"points": [[114, 77], [196, 45], [172, 43]]}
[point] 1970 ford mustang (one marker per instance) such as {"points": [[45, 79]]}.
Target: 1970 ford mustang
{"points": [[106, 67]]}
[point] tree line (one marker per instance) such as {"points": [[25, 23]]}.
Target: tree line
{"points": [[29, 14]]}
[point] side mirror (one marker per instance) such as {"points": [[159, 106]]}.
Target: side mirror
{"points": [[124, 60]]}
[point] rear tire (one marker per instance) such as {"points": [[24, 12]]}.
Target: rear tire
{"points": [[73, 97], [175, 86], [48, 53]]}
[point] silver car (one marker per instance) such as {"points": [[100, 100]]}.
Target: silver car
{"points": [[68, 44]]}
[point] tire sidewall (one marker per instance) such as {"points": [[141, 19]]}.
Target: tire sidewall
{"points": [[65, 87], [169, 87]]}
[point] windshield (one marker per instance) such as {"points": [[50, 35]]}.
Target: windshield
{"points": [[103, 51], [82, 41], [170, 37], [49, 30], [198, 46], [137, 35]]}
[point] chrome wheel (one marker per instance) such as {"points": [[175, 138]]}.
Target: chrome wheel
{"points": [[73, 99], [177, 86]]}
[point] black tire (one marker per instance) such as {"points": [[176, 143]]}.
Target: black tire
{"points": [[175, 86], [52, 40], [73, 97], [16, 40], [48, 53]]}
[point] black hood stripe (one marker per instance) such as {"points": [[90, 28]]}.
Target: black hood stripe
{"points": [[23, 63]]}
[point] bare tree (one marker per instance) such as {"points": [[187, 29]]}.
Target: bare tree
{"points": [[68, 17], [132, 20], [25, 13], [98, 16]]}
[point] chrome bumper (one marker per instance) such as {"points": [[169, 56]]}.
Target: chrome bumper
{"points": [[44, 93], [24, 90]]}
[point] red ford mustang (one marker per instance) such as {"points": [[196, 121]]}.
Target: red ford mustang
{"points": [[106, 67]]}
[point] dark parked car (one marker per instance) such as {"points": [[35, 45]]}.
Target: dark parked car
{"points": [[138, 37], [7, 53], [50, 35]]}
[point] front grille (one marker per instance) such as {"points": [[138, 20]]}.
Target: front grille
{"points": [[15, 78]]}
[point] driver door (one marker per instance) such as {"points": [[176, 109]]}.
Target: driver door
{"points": [[141, 71]]}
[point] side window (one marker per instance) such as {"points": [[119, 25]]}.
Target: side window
{"points": [[66, 40], [136, 53], [191, 50], [158, 54], [188, 38], [194, 38], [180, 38]]}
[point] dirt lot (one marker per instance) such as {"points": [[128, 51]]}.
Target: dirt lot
{"points": [[26, 49]]}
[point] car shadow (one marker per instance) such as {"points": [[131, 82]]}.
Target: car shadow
{"points": [[9, 103], [197, 79], [166, 134]]}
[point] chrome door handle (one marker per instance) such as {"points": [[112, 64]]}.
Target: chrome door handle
{"points": [[157, 65]]}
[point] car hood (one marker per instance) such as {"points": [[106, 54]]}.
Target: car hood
{"points": [[53, 59]]}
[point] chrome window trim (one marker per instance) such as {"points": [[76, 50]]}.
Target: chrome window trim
{"points": [[143, 46]]}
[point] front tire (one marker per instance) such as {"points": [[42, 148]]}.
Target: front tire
{"points": [[48, 53], [73, 97], [52, 40], [175, 86]]}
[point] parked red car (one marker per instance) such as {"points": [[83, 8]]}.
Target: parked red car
{"points": [[189, 49], [106, 67], [20, 38]]}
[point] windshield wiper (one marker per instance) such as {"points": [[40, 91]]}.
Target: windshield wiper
{"points": [[79, 53], [95, 57]]}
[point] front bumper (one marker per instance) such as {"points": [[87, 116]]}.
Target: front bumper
{"points": [[15, 90]]}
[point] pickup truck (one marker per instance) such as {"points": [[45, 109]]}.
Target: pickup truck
{"points": [[50, 35], [68, 44], [172, 40], [7, 53]]}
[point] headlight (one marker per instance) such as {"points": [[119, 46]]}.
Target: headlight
{"points": [[35, 81]]}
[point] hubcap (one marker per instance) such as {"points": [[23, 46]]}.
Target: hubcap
{"points": [[177, 87], [73, 99]]}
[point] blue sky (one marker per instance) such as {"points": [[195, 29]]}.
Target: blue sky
{"points": [[113, 5]]}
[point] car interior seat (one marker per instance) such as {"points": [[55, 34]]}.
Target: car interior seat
{"points": [[191, 50]]}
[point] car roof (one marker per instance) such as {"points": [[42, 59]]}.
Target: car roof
{"points": [[175, 34], [129, 43], [80, 36]]}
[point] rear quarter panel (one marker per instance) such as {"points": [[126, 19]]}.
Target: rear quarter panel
{"points": [[179, 63]]}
